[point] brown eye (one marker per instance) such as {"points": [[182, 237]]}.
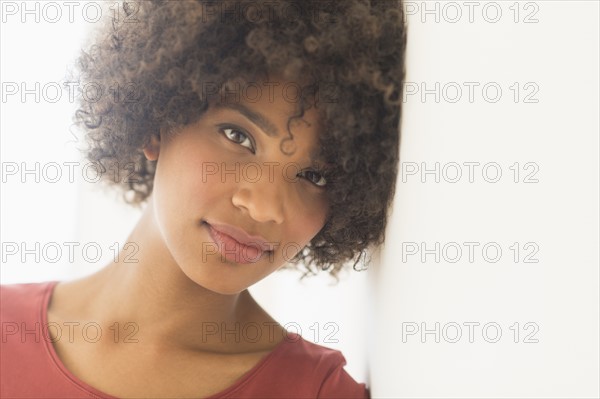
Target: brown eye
{"points": [[238, 137], [315, 178]]}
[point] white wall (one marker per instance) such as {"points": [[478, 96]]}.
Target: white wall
{"points": [[557, 214]]}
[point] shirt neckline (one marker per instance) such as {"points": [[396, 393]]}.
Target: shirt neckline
{"points": [[96, 393]]}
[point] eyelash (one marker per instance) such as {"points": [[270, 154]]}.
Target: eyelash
{"points": [[224, 129]]}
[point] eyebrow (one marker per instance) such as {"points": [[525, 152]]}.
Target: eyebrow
{"points": [[255, 117]]}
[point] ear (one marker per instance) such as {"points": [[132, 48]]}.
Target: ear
{"points": [[152, 150]]}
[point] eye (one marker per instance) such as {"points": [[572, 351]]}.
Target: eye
{"points": [[314, 177], [238, 136]]}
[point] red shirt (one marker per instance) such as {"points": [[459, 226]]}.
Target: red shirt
{"points": [[30, 367]]}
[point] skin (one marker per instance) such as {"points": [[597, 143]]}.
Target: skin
{"points": [[180, 282]]}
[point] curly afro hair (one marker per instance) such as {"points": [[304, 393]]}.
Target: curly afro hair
{"points": [[155, 58]]}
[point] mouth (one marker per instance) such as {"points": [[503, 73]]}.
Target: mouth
{"points": [[233, 250]]}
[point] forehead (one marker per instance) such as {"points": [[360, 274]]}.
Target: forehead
{"points": [[269, 101]]}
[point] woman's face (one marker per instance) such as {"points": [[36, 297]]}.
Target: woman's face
{"points": [[223, 184]]}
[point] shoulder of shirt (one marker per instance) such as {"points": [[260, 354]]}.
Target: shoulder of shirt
{"points": [[15, 298], [304, 353], [307, 361]]}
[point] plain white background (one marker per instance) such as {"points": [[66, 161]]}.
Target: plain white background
{"points": [[558, 215], [552, 127]]}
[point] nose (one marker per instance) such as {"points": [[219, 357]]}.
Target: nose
{"points": [[262, 198]]}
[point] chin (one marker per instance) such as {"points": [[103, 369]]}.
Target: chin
{"points": [[225, 290], [223, 278], [221, 286]]}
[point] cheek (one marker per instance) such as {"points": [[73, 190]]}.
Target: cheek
{"points": [[203, 180], [196, 177]]}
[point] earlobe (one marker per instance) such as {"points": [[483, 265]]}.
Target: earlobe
{"points": [[152, 149]]}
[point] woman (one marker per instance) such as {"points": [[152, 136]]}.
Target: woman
{"points": [[256, 134]]}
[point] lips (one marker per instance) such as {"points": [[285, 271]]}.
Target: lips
{"points": [[236, 245]]}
